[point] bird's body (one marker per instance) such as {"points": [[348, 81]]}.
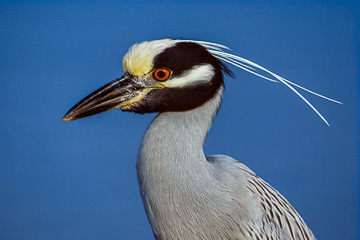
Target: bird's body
{"points": [[223, 198], [186, 195]]}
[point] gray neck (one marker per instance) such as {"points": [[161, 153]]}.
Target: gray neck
{"points": [[170, 161], [176, 139]]}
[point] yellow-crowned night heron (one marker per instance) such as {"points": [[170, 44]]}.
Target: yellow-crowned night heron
{"points": [[186, 195]]}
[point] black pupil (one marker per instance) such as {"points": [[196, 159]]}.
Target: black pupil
{"points": [[161, 74]]}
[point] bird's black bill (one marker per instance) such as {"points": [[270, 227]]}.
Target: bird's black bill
{"points": [[113, 95]]}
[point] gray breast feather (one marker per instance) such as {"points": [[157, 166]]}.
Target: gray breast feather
{"points": [[271, 215]]}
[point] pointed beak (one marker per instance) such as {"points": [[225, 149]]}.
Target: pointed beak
{"points": [[120, 93]]}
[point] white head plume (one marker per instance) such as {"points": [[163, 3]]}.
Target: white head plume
{"points": [[218, 51]]}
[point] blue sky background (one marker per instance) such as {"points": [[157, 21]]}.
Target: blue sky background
{"points": [[77, 180]]}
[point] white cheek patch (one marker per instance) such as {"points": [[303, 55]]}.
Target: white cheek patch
{"points": [[199, 73]]}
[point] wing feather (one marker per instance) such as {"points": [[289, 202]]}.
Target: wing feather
{"points": [[274, 216]]}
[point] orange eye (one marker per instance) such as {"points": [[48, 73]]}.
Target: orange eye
{"points": [[162, 74]]}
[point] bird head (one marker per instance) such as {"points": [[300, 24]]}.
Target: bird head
{"points": [[161, 75], [173, 75]]}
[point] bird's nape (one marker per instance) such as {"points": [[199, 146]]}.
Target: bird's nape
{"points": [[219, 51]]}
